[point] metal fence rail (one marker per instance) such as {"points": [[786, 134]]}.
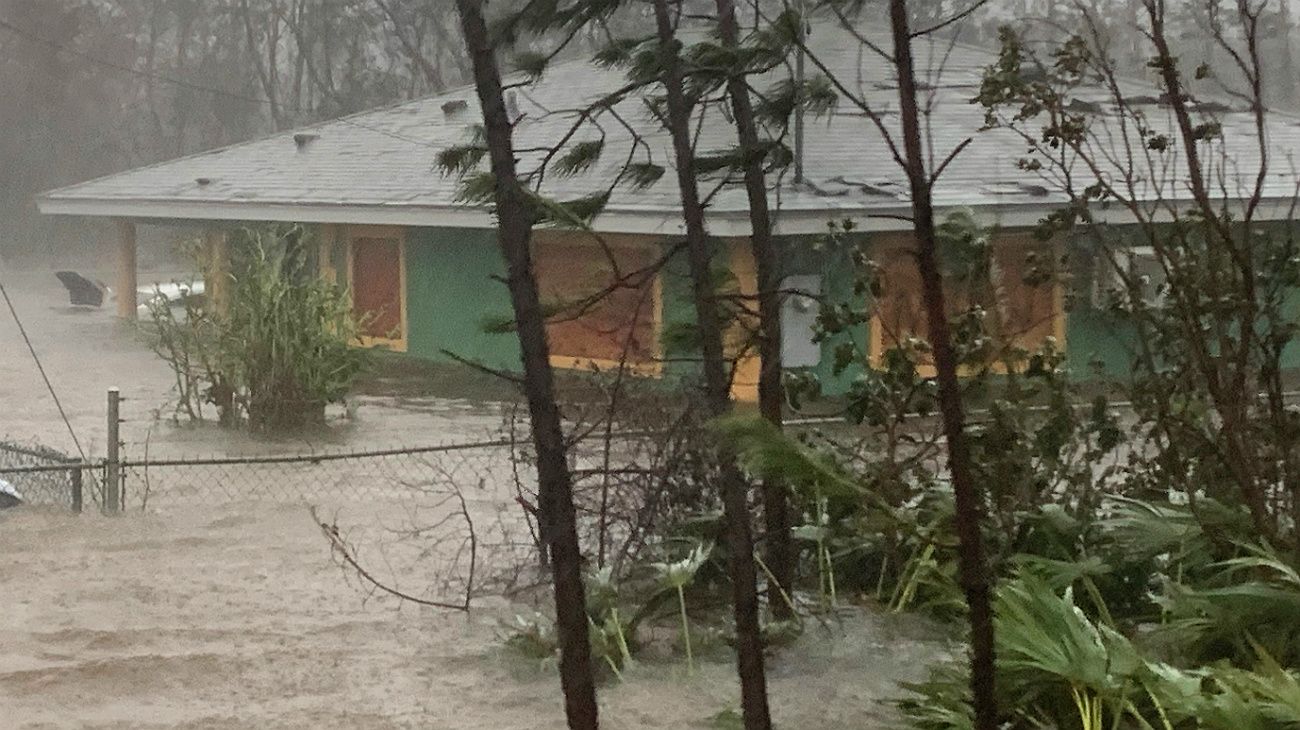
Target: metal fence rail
{"points": [[343, 476]]}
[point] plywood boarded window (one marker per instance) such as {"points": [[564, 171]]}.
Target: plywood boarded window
{"points": [[602, 311], [377, 274], [1023, 309]]}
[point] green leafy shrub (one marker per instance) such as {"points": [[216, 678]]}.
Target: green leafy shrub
{"points": [[1059, 668], [272, 355]]}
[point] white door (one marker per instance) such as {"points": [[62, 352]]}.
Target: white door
{"points": [[799, 320]]}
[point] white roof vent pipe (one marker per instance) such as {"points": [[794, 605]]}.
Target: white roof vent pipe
{"points": [[512, 106]]}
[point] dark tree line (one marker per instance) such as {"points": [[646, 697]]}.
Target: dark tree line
{"points": [[108, 86]]}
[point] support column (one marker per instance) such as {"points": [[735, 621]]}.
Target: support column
{"points": [[126, 273], [329, 233], [216, 273]]}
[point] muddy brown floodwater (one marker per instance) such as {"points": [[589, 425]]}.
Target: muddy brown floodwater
{"points": [[235, 616], [87, 351]]}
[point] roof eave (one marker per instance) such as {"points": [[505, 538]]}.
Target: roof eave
{"points": [[646, 221]]}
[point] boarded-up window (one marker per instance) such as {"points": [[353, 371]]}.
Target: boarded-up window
{"points": [[1022, 305], [377, 285], [601, 310]]}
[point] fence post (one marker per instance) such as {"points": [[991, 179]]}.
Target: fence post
{"points": [[113, 463], [76, 487]]}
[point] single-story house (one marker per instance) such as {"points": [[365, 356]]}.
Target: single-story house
{"points": [[391, 225]]}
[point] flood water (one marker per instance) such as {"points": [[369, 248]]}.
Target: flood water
{"points": [[87, 351], [233, 613]]}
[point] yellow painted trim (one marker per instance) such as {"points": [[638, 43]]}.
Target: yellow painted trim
{"points": [[746, 369], [651, 368], [355, 232], [876, 348], [1060, 318]]}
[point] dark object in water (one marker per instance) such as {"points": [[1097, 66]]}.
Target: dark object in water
{"points": [[9, 497], [81, 291]]}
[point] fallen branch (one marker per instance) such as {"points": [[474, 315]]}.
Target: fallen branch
{"points": [[340, 547]]}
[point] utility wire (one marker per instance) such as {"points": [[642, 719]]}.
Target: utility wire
{"points": [[139, 73], [48, 385]]}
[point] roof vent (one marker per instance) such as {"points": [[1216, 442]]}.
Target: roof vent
{"points": [[1012, 187], [302, 139], [203, 181], [1142, 100], [512, 106], [885, 188], [454, 107]]}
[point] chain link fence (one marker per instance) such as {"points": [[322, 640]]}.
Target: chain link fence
{"points": [[316, 477], [435, 524], [39, 475]]}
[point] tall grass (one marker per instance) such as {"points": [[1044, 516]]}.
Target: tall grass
{"points": [[277, 351]]}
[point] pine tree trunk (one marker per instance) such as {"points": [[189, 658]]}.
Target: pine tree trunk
{"points": [[554, 480], [767, 261], [969, 510], [744, 579]]}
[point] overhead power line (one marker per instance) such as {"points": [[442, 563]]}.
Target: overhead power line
{"points": [[41, 368]]}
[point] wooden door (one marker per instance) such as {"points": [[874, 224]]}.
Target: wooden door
{"points": [[377, 287], [597, 316]]}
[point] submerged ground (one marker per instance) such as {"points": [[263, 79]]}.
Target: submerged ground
{"points": [[236, 617], [233, 614]]}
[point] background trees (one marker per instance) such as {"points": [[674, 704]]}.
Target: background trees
{"points": [[111, 85]]}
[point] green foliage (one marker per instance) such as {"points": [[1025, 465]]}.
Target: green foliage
{"points": [[728, 719], [281, 348], [769, 454], [1244, 604], [1210, 303], [460, 160], [1185, 615], [579, 157], [609, 629], [1059, 668], [816, 96], [621, 51], [642, 175], [773, 153], [477, 188], [575, 213], [533, 637], [677, 575], [940, 702], [532, 64]]}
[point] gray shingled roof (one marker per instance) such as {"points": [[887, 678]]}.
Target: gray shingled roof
{"points": [[379, 166]]}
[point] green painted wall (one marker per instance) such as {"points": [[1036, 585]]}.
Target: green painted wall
{"points": [[1102, 343], [1097, 343], [678, 313], [451, 293], [800, 255]]}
